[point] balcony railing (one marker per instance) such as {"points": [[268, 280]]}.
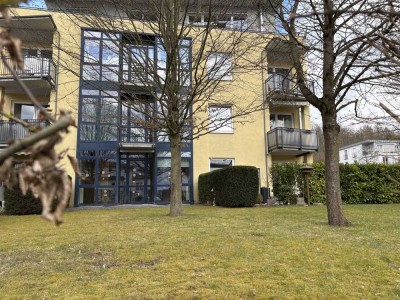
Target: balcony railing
{"points": [[35, 67], [10, 130], [285, 85], [292, 139]]}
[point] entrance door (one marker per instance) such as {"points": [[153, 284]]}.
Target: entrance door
{"points": [[136, 178]]}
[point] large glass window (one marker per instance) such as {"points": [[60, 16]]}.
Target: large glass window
{"points": [[219, 66], [101, 56], [220, 118]]}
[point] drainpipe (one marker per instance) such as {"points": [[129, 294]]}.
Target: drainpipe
{"points": [[264, 117], [300, 110], [56, 73]]}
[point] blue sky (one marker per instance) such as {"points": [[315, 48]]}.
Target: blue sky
{"points": [[35, 3]]}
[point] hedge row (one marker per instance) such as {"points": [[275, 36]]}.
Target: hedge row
{"points": [[231, 187], [18, 204], [360, 184]]}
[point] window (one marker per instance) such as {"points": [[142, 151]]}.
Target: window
{"points": [[279, 79], [219, 163], [220, 118], [219, 66], [26, 111], [385, 160], [281, 120], [228, 21], [346, 155]]}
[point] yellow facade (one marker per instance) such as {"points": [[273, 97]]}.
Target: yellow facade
{"points": [[246, 144]]}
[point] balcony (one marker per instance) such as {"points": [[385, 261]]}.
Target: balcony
{"points": [[10, 130], [39, 75], [283, 89], [292, 141]]}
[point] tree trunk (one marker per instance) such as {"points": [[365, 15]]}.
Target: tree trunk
{"points": [[332, 176], [176, 208]]}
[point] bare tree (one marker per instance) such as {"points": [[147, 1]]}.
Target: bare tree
{"points": [[343, 60], [194, 59]]}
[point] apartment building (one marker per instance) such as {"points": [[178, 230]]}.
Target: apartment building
{"points": [[371, 152], [122, 160]]}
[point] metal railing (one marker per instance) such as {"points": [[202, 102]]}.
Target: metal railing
{"points": [[285, 84], [292, 138], [35, 67], [10, 130]]}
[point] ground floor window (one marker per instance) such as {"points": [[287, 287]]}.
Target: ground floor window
{"points": [[219, 163]]}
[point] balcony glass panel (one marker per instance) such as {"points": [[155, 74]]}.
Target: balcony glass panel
{"points": [[292, 139]]}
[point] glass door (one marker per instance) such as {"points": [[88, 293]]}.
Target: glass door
{"points": [[136, 178]]}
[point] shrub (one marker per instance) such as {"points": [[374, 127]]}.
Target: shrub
{"points": [[232, 187], [287, 182], [317, 183], [205, 188], [18, 204]]}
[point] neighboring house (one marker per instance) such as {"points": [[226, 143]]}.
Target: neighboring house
{"points": [[371, 151], [124, 163]]}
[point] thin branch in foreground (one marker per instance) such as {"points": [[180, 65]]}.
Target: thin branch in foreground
{"points": [[389, 112]]}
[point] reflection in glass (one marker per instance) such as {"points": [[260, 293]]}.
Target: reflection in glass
{"points": [[109, 111], [89, 109], [110, 53], [106, 196], [91, 72], [88, 132], [136, 195], [110, 74], [186, 194], [185, 175], [107, 171], [92, 34], [88, 169], [90, 92], [108, 133], [92, 51], [86, 196], [163, 194]]}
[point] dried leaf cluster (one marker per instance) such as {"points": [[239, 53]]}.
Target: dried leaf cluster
{"points": [[41, 173]]}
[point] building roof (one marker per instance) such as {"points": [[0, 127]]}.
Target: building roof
{"points": [[370, 142]]}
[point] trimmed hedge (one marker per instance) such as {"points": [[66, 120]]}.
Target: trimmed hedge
{"points": [[230, 187], [287, 181], [18, 204], [206, 188], [360, 184]]}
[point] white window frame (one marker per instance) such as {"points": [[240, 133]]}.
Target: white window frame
{"points": [[219, 158], [281, 114], [215, 125], [37, 111], [232, 24], [216, 67], [346, 155]]}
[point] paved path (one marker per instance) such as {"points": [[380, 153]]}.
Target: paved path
{"points": [[122, 206]]}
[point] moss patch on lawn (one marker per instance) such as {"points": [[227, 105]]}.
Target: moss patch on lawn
{"points": [[210, 253]]}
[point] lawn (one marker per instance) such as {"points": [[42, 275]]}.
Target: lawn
{"points": [[210, 253]]}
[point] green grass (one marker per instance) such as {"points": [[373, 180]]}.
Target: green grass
{"points": [[210, 253]]}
